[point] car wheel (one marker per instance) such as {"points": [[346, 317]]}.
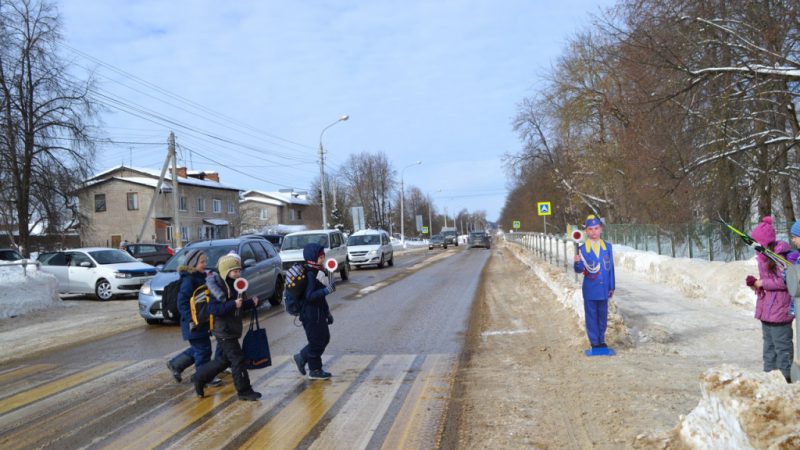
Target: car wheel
{"points": [[444, 247], [381, 264], [391, 261], [277, 295], [103, 290], [430, 247], [153, 321], [344, 272]]}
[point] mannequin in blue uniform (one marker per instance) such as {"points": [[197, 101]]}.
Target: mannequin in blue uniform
{"points": [[595, 261]]}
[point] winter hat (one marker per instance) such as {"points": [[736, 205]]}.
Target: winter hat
{"points": [[750, 280], [311, 251], [592, 221], [228, 263], [764, 232], [796, 229], [193, 257]]}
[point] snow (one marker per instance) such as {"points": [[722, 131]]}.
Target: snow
{"points": [[25, 291]]}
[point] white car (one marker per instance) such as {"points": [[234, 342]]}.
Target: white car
{"points": [[104, 272], [332, 240], [367, 247]]}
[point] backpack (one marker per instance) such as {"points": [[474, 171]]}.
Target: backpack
{"points": [[295, 289], [169, 301], [201, 297]]}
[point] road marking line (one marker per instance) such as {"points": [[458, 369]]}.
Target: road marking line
{"points": [[171, 420], [419, 421], [356, 422], [504, 332], [290, 426], [66, 413], [63, 384], [24, 371]]}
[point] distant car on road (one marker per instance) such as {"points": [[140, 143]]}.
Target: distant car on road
{"points": [[153, 254], [9, 254], [366, 247], [479, 239], [331, 240], [450, 235], [104, 272], [261, 266], [437, 241]]}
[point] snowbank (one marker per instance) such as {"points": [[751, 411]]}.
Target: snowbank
{"points": [[716, 280], [20, 293], [744, 411]]}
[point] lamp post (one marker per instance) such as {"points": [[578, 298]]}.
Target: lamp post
{"points": [[322, 172], [402, 196]]}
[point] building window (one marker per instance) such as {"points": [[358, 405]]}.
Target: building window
{"points": [[292, 215], [201, 205], [264, 214], [170, 237], [99, 202], [185, 234], [133, 201], [216, 205], [182, 203], [299, 214], [231, 207]]}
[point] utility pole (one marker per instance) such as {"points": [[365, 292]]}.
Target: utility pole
{"points": [[430, 218], [170, 157], [176, 219]]}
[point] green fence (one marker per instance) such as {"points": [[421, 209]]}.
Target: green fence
{"points": [[710, 241]]}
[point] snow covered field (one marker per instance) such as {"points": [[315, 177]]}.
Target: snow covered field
{"points": [[25, 291]]}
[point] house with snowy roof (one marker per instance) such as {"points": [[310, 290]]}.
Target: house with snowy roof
{"points": [[280, 212], [114, 205]]}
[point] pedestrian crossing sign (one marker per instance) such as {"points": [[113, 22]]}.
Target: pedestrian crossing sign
{"points": [[424, 230], [516, 224], [544, 208]]}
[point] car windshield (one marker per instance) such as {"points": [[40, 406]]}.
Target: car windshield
{"points": [[364, 239], [448, 233], [477, 234], [213, 254], [9, 255], [436, 236], [299, 241], [111, 256]]}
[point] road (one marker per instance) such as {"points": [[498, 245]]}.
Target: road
{"points": [[396, 339]]}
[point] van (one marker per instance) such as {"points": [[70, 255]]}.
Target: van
{"points": [[331, 240], [367, 247]]}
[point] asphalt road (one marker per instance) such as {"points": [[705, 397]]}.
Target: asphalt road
{"points": [[395, 342]]}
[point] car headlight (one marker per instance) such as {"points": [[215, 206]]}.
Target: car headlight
{"points": [[146, 289], [373, 253], [122, 275]]}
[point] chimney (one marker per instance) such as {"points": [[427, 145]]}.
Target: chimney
{"points": [[213, 176], [181, 172]]}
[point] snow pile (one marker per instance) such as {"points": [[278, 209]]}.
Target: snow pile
{"points": [[723, 281], [20, 293], [568, 292], [743, 410]]}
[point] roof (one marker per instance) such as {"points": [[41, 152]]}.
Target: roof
{"points": [[367, 232], [289, 198], [313, 232], [218, 222], [150, 178], [266, 201]]}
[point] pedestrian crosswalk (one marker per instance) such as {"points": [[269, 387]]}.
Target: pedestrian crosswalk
{"points": [[388, 401]]}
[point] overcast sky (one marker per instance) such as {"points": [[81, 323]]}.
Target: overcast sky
{"points": [[436, 81]]}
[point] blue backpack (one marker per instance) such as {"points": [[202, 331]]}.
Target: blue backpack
{"points": [[295, 291]]}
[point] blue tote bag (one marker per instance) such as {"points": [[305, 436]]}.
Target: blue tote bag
{"points": [[255, 346]]}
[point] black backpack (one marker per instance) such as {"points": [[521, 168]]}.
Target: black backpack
{"points": [[295, 291], [169, 301]]}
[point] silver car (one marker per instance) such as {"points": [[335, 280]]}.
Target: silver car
{"points": [[261, 266]]}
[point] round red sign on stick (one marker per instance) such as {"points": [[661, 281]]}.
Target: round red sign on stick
{"points": [[577, 235], [240, 285], [331, 265]]}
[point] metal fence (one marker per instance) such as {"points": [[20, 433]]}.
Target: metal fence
{"points": [[559, 251], [23, 263]]}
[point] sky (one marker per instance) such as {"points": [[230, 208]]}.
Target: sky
{"points": [[252, 84]]}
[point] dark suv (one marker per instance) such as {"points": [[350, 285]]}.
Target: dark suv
{"points": [[153, 254], [260, 263]]}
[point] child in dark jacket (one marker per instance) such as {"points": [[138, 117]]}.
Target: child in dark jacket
{"points": [[226, 307], [315, 315], [192, 276]]}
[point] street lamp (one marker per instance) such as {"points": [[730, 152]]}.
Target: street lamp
{"points": [[322, 172], [402, 196]]}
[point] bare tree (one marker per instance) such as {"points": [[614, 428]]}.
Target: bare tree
{"points": [[370, 181], [45, 144]]}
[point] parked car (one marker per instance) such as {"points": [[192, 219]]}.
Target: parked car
{"points": [[153, 254], [274, 239], [367, 247], [104, 272], [9, 254], [479, 239], [437, 240], [261, 267], [332, 240]]}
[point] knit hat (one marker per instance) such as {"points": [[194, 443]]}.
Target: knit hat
{"points": [[227, 263], [796, 229], [764, 232], [193, 257], [592, 221]]}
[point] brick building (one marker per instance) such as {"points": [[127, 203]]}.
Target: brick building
{"points": [[274, 211]]}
